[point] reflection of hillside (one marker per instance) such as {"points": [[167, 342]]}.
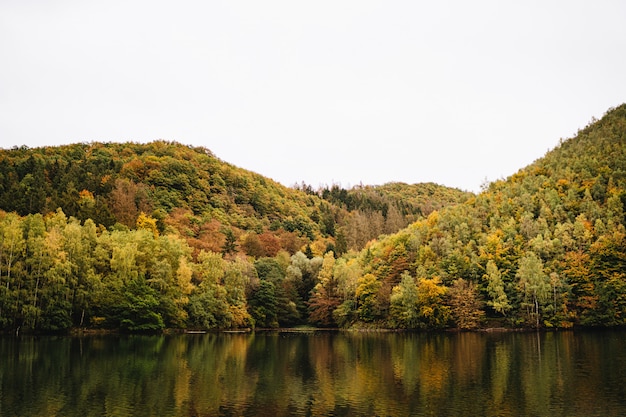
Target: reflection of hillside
{"points": [[315, 373]]}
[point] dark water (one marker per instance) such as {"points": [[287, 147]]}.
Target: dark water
{"points": [[316, 374]]}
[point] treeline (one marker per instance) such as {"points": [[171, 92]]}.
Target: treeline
{"points": [[57, 273], [543, 248], [364, 212]]}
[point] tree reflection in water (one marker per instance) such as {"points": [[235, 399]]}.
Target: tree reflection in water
{"points": [[315, 373]]}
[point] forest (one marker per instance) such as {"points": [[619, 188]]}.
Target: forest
{"points": [[145, 237]]}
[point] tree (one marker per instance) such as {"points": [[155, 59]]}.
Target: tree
{"points": [[405, 303], [124, 199], [274, 270], [575, 269], [12, 247], [210, 267], [367, 297], [347, 272], [534, 284], [36, 262], [230, 244], [300, 279], [341, 245], [12, 244], [236, 278], [252, 245], [208, 307], [79, 244], [608, 263], [184, 275], [55, 294], [465, 305], [495, 287], [433, 313], [263, 305], [137, 311], [325, 298]]}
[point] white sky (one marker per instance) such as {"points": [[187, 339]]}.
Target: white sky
{"points": [[453, 92]]}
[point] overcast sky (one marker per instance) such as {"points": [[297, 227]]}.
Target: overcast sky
{"points": [[345, 92]]}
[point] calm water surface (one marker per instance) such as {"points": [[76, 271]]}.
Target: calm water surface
{"points": [[316, 374]]}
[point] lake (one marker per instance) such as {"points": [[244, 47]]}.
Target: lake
{"points": [[316, 373]]}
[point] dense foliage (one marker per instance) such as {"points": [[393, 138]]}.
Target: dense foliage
{"points": [[210, 203], [143, 237], [544, 248], [146, 236]]}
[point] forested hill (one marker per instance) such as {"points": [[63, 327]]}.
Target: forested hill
{"points": [[213, 204], [163, 235], [543, 248], [145, 236]]}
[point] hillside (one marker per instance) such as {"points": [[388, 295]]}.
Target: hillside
{"points": [[213, 204], [543, 248], [130, 235], [207, 245]]}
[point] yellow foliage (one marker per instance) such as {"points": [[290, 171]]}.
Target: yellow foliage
{"points": [[86, 194], [319, 245], [183, 275], [433, 219], [147, 223]]}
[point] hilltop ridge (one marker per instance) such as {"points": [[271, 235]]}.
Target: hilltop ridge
{"points": [[175, 184]]}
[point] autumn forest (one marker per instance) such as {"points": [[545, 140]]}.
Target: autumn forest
{"points": [[145, 237]]}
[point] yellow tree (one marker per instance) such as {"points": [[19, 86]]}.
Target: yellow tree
{"points": [[367, 297], [148, 223], [432, 311], [419, 304]]}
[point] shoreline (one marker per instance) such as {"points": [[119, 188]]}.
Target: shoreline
{"points": [[305, 329]]}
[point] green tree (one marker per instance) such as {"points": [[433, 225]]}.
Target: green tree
{"points": [[404, 310], [236, 279], [264, 306], [79, 244], [55, 293], [575, 268], [230, 244], [137, 311], [495, 288], [36, 263], [301, 277], [608, 263], [347, 272], [208, 306], [534, 284], [12, 246], [274, 270]]}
